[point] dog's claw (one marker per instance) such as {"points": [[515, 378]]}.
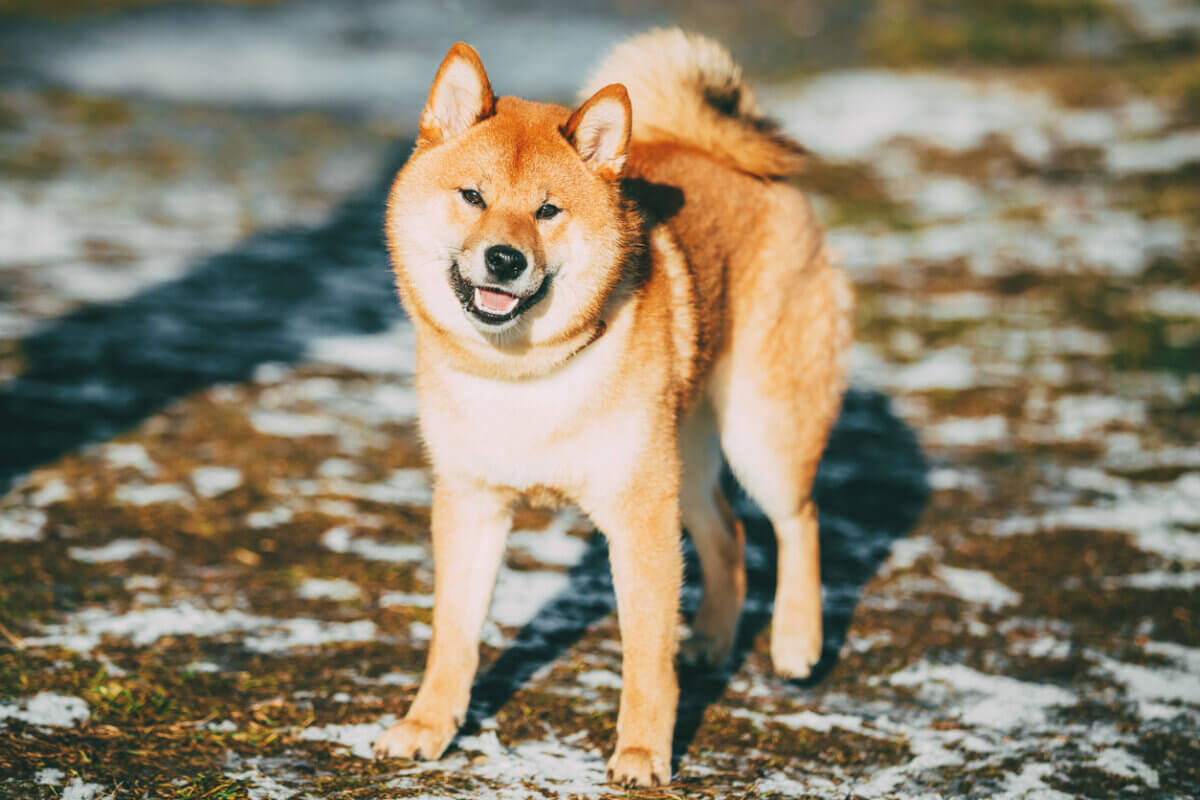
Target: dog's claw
{"points": [[633, 767]]}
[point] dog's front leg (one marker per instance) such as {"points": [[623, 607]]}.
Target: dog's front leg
{"points": [[469, 529], [647, 567]]}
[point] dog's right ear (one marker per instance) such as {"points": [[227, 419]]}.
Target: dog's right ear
{"points": [[460, 97]]}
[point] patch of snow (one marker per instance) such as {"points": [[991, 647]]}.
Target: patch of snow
{"points": [[119, 550], [1124, 764], [130, 455], [388, 599], [54, 491], [947, 197], [959, 306], [1156, 580], [338, 589], [357, 738], [392, 352], [215, 481], [286, 634], [78, 790], [341, 540], [953, 113], [1186, 657], [600, 679], [337, 468], [1070, 241], [402, 487], [951, 368], [47, 709], [969, 431], [1002, 703], [1162, 18], [519, 595], [143, 495], [263, 787], [979, 587], [554, 544], [22, 524], [48, 776], [1154, 683], [955, 478], [1030, 784], [281, 423], [1164, 154], [823, 723], [84, 630], [224, 726], [1078, 416], [1174, 303], [1157, 517], [906, 552], [269, 519]]}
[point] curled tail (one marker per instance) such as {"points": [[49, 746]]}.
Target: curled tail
{"points": [[687, 88]]}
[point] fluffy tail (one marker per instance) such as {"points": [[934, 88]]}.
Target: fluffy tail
{"points": [[686, 88]]}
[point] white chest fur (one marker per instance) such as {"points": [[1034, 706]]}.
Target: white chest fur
{"points": [[568, 430]]}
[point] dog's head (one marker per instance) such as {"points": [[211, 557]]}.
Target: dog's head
{"points": [[506, 226]]}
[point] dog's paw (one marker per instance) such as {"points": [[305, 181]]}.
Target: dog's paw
{"points": [[419, 739], [704, 651], [637, 766], [793, 656]]}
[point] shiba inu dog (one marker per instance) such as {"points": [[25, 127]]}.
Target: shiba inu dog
{"points": [[607, 300]]}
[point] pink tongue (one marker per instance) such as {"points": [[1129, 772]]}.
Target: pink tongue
{"points": [[493, 302]]}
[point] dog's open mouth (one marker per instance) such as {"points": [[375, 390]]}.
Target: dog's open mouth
{"points": [[490, 304]]}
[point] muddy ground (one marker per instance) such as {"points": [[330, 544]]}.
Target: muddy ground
{"points": [[215, 577]]}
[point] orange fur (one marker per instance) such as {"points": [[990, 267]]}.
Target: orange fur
{"points": [[680, 305]]}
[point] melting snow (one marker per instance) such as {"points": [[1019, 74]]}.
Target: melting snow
{"points": [[520, 594], [84, 630], [215, 481], [139, 495], [340, 540], [130, 455], [78, 790], [826, 114], [553, 545], [978, 587], [338, 589], [21, 524], [47, 709], [119, 550], [1004, 703]]}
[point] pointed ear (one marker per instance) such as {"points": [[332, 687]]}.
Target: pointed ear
{"points": [[599, 131], [461, 95]]}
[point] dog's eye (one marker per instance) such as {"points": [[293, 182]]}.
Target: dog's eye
{"points": [[548, 211], [472, 197]]}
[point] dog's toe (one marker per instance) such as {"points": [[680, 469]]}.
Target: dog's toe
{"points": [[638, 767], [416, 739]]}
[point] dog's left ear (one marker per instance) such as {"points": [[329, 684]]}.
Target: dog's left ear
{"points": [[599, 131], [461, 96]]}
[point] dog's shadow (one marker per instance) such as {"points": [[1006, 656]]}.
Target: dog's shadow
{"points": [[871, 488]]}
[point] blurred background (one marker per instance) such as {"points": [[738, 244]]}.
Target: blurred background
{"points": [[214, 567]]}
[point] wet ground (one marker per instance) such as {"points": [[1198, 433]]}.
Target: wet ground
{"points": [[214, 566]]}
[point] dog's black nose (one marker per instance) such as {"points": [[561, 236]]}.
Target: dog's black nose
{"points": [[504, 262]]}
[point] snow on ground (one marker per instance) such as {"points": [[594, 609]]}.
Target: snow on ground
{"points": [[1027, 629]]}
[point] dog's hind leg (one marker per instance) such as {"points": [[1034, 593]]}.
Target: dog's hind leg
{"points": [[776, 393], [717, 536]]}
